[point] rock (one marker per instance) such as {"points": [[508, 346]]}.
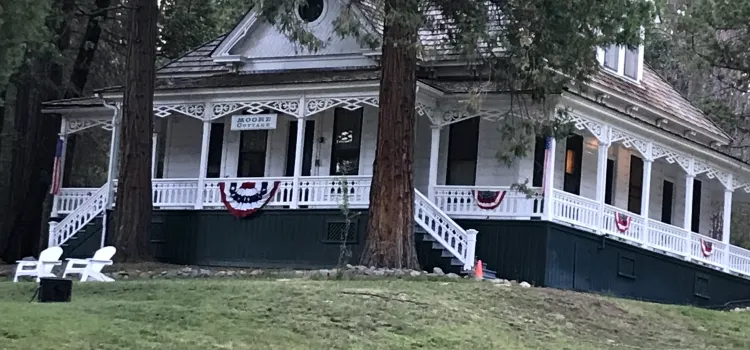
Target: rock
{"points": [[556, 316], [525, 284], [452, 275], [230, 273], [221, 274], [256, 272], [415, 274], [438, 271], [324, 272], [186, 270], [349, 266], [204, 273]]}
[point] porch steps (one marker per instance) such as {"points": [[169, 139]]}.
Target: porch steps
{"points": [[455, 264], [85, 241]]}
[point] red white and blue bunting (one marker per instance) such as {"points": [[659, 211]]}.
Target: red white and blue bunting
{"points": [[245, 198], [622, 222], [488, 199], [707, 248]]}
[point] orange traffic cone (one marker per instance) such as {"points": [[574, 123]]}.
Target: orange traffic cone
{"points": [[478, 273]]}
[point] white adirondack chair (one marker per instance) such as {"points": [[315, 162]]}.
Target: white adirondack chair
{"points": [[91, 269], [48, 259]]}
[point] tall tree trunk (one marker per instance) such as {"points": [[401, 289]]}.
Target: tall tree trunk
{"points": [[87, 49], [133, 211], [390, 238], [34, 149]]}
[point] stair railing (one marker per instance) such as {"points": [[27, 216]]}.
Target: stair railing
{"points": [[459, 242], [61, 232]]}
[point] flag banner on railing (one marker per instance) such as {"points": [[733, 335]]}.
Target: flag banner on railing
{"points": [[707, 248], [622, 222], [488, 199], [245, 198], [57, 170]]}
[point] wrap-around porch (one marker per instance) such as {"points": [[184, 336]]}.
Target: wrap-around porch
{"points": [[450, 172]]}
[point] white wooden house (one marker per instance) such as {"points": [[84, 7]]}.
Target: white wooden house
{"points": [[643, 155]]}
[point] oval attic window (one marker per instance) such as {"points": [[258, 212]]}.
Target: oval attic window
{"points": [[311, 10]]}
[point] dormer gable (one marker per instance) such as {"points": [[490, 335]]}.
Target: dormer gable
{"points": [[257, 45], [623, 61]]}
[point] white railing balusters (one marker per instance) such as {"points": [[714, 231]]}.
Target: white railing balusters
{"points": [[458, 201], [459, 242], [62, 231], [71, 198], [583, 212]]}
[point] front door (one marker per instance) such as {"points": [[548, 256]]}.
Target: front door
{"points": [[573, 151], [307, 149]]}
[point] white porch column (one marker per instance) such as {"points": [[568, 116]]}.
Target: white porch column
{"points": [[601, 179], [203, 164], [64, 136], [299, 149], [434, 157], [549, 179], [114, 155], [689, 178], [727, 221], [154, 143]]}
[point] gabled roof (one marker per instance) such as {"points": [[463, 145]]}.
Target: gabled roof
{"points": [[196, 61], [657, 93]]}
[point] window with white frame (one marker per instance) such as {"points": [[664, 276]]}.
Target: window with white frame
{"points": [[622, 60]]}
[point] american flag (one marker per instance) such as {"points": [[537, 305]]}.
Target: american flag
{"points": [[57, 168], [546, 166]]}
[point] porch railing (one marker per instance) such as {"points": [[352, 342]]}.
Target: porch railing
{"points": [[71, 198], [585, 213], [459, 201], [314, 192], [60, 232], [459, 242]]}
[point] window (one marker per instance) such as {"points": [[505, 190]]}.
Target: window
{"points": [[311, 10], [252, 157], [631, 63], [612, 57], [215, 144], [695, 224], [667, 196], [538, 176], [347, 139], [636, 185], [621, 60], [609, 183], [570, 161], [462, 152], [573, 151]]}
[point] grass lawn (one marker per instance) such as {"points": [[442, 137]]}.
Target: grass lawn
{"points": [[385, 314]]}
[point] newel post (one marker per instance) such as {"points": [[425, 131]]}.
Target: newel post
{"points": [[50, 234], [471, 245]]}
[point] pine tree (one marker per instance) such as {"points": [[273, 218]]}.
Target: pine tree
{"points": [[134, 205]]}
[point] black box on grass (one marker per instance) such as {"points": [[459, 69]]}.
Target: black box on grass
{"points": [[55, 290]]}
